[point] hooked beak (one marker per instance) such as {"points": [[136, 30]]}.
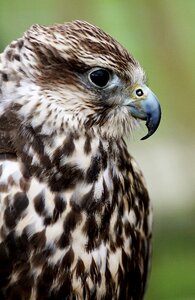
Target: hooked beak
{"points": [[144, 105]]}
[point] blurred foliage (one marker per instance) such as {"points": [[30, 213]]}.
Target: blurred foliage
{"points": [[173, 264], [160, 34]]}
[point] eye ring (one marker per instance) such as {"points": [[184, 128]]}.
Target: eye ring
{"points": [[99, 77], [139, 92]]}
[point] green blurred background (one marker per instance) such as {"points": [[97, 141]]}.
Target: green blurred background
{"points": [[161, 35]]}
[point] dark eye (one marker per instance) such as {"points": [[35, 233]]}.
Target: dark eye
{"points": [[139, 92], [99, 77]]}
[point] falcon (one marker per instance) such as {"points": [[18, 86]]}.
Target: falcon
{"points": [[75, 215]]}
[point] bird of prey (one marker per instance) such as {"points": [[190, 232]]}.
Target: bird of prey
{"points": [[75, 215]]}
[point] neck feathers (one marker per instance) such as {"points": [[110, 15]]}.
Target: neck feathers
{"points": [[65, 161]]}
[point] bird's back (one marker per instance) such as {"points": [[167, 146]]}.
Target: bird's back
{"points": [[90, 242]]}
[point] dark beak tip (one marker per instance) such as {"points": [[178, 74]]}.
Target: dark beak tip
{"points": [[152, 124], [145, 137]]}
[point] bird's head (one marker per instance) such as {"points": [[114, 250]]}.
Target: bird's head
{"points": [[75, 75]]}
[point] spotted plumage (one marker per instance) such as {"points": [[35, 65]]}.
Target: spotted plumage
{"points": [[75, 216]]}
